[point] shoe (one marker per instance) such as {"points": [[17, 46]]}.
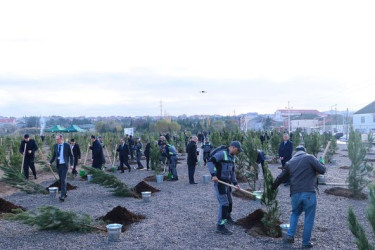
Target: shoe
{"points": [[194, 183], [221, 229], [123, 172], [289, 239], [310, 245], [230, 220], [62, 199], [35, 177]]}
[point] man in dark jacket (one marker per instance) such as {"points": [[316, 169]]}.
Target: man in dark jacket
{"points": [[63, 155], [207, 147], [76, 154], [192, 158], [302, 170], [147, 154], [131, 146], [29, 155], [123, 151], [285, 152], [97, 153]]}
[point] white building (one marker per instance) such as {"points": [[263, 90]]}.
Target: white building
{"points": [[364, 119]]}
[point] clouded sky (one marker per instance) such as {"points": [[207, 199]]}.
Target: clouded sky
{"points": [[91, 58]]}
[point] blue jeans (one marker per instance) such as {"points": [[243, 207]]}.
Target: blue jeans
{"points": [[62, 170], [303, 202]]}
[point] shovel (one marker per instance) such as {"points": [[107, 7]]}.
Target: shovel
{"points": [[242, 190]]}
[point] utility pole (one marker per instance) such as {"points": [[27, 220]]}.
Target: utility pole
{"points": [[161, 108], [289, 127], [336, 117]]}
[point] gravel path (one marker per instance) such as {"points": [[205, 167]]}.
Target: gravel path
{"points": [[181, 216]]}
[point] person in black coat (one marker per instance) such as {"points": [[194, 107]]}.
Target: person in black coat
{"points": [[29, 153], [63, 155], [192, 158], [285, 152], [76, 154], [97, 153], [131, 146], [123, 151], [147, 154]]}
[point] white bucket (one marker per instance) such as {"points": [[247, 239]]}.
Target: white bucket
{"points": [[159, 178], [321, 180], [146, 196], [206, 178], [114, 231], [89, 177], [284, 230], [53, 191]]}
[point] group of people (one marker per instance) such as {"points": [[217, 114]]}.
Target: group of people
{"points": [[298, 170]]}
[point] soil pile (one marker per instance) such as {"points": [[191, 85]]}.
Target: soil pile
{"points": [[152, 178], [58, 185], [254, 225], [122, 216], [143, 187], [344, 167], [6, 206], [242, 195], [344, 192]]}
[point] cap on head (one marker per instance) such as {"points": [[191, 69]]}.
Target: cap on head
{"points": [[300, 148], [26, 136], [92, 136], [236, 144]]}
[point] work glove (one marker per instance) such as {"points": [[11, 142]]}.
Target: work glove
{"points": [[321, 160]]}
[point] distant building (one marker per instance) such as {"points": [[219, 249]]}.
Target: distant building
{"points": [[364, 119], [11, 121], [282, 114]]}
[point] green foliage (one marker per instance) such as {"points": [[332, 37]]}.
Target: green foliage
{"points": [[110, 181], [162, 126], [313, 143], [271, 219], [370, 141], [359, 169], [297, 138], [154, 158], [275, 141], [331, 150], [108, 126], [52, 218], [250, 147], [14, 178], [357, 230]]}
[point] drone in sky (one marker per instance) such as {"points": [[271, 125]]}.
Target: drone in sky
{"points": [[203, 91]]}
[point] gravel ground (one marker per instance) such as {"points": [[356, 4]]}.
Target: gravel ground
{"points": [[182, 216]]}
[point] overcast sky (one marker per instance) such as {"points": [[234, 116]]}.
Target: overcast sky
{"points": [[92, 58]]}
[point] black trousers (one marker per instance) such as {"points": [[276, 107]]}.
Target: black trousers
{"points": [[148, 161], [191, 169], [28, 163]]}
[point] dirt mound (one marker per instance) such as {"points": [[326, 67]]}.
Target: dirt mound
{"points": [[143, 187], [6, 206], [254, 225], [243, 195], [58, 185], [122, 216], [152, 178], [344, 192]]}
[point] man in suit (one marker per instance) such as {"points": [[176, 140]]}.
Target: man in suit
{"points": [[63, 155], [192, 158], [29, 153], [97, 153], [77, 155], [123, 151], [285, 153]]}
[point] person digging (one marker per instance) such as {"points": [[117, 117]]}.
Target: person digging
{"points": [[221, 167]]}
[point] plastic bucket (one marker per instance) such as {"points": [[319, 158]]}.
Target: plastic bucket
{"points": [[89, 177], [284, 231], [321, 180], [206, 178], [114, 231], [146, 196], [159, 178], [53, 191]]}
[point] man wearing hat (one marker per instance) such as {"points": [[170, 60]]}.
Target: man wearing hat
{"points": [[29, 155], [221, 167], [302, 170]]}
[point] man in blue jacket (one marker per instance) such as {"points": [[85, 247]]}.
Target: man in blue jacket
{"points": [[302, 170], [221, 167]]}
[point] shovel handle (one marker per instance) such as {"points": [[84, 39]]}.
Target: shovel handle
{"points": [[230, 185]]}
